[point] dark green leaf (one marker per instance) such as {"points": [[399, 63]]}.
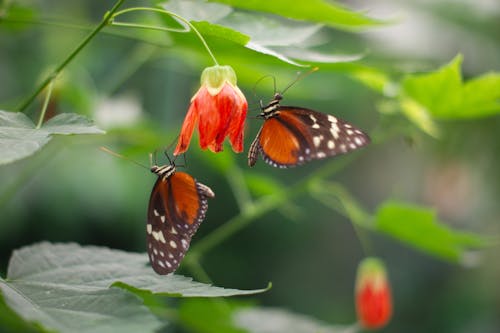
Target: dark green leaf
{"points": [[419, 227], [19, 138]]}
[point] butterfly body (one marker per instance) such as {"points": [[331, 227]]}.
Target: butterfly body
{"points": [[177, 206], [292, 136]]}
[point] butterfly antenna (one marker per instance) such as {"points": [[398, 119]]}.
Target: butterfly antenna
{"points": [[299, 77], [109, 151]]}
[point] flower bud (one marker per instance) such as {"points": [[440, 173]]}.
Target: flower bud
{"points": [[373, 294]]}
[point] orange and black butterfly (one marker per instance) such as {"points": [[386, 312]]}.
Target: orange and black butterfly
{"points": [[177, 207], [292, 136]]}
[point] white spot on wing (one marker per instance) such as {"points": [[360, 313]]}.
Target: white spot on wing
{"points": [[173, 244], [358, 141], [162, 218], [316, 141], [149, 228], [332, 119], [331, 144], [156, 212]]}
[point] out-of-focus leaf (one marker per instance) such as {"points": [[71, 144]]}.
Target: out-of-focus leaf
{"points": [[19, 137], [375, 79], [419, 116], [318, 11], [442, 93], [209, 315], [418, 226], [260, 184], [67, 287], [274, 320], [17, 17]]}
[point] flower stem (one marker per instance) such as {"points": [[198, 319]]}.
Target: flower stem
{"points": [[72, 55], [45, 103], [163, 11]]}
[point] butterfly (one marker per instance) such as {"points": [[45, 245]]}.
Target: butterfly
{"points": [[177, 206], [292, 136]]}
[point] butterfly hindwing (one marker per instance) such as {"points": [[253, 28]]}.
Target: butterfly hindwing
{"points": [[293, 136], [177, 206]]}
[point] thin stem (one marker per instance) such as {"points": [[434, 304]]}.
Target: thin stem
{"points": [[163, 11], [71, 56], [45, 103]]}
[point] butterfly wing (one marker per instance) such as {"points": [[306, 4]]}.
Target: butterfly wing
{"points": [[297, 135], [177, 206]]}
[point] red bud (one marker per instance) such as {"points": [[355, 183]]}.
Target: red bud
{"points": [[373, 294]]}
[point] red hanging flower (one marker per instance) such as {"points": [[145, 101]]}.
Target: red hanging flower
{"points": [[220, 108], [373, 294]]}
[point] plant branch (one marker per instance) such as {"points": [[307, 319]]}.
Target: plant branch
{"points": [[105, 21]]}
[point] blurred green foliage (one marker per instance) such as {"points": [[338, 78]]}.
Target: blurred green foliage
{"points": [[425, 85]]}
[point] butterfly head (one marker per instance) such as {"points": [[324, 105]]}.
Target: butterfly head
{"points": [[271, 109], [163, 171]]}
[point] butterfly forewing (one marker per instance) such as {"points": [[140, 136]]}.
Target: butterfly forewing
{"points": [[177, 206], [293, 136]]}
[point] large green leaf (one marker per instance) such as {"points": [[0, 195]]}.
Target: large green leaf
{"points": [[67, 287], [19, 137], [443, 94], [252, 30], [319, 11], [419, 227]]}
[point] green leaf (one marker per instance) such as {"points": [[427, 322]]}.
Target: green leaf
{"points": [[443, 94], [209, 315], [68, 287], [264, 320], [216, 30], [16, 17], [19, 137], [419, 116], [318, 11], [252, 31], [419, 227]]}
